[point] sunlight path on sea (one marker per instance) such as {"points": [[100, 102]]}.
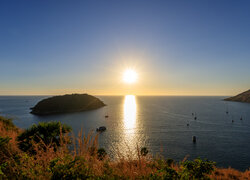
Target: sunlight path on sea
{"points": [[129, 121], [129, 113]]}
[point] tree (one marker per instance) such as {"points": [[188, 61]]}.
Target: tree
{"points": [[47, 133]]}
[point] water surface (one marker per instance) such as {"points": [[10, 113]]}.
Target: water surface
{"points": [[157, 122]]}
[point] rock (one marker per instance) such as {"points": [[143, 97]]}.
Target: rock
{"points": [[243, 97], [67, 104]]}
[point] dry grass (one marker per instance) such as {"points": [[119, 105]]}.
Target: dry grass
{"points": [[229, 173], [37, 166], [8, 131]]}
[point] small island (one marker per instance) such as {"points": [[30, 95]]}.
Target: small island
{"points": [[242, 97], [68, 103]]}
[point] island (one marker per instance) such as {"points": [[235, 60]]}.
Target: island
{"points": [[68, 103], [242, 97]]}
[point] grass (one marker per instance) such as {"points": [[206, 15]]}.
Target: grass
{"points": [[87, 161]]}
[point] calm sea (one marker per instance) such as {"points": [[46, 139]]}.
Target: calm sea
{"points": [[158, 123]]}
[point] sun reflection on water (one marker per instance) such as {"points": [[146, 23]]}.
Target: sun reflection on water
{"points": [[129, 125], [129, 113]]}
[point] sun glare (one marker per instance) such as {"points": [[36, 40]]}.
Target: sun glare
{"points": [[130, 76], [129, 111]]}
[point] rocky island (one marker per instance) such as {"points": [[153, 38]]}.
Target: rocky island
{"points": [[242, 97], [67, 104]]}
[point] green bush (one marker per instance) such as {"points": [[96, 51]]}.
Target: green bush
{"points": [[197, 169], [4, 141], [2, 167], [169, 162], [101, 153], [4, 148], [164, 170], [48, 133], [68, 168], [8, 124]]}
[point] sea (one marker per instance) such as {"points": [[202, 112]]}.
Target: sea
{"points": [[164, 125]]}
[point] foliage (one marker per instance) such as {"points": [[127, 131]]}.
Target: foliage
{"points": [[86, 161], [3, 151], [197, 169], [169, 162], [2, 167], [101, 153], [164, 174], [47, 133], [7, 124], [165, 170], [144, 151], [4, 147], [69, 168], [4, 141]]}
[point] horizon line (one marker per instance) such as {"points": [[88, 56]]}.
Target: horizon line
{"points": [[107, 94]]}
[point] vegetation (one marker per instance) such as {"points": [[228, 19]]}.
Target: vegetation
{"points": [[67, 104], [46, 133], [7, 124], [51, 158]]}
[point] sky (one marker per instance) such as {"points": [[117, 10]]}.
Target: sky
{"points": [[176, 47]]}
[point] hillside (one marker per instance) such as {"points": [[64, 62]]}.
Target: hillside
{"points": [[243, 97], [67, 104]]}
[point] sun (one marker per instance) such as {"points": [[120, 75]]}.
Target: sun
{"points": [[130, 76]]}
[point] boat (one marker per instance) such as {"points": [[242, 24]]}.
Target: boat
{"points": [[195, 117], [106, 113], [194, 139], [227, 109], [101, 129]]}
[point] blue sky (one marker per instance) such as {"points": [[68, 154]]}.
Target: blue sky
{"points": [[177, 47]]}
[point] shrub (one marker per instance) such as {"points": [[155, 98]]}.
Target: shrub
{"points": [[101, 153], [4, 147], [169, 162], [144, 151], [69, 168], [197, 169], [7, 124], [4, 141], [47, 133]]}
